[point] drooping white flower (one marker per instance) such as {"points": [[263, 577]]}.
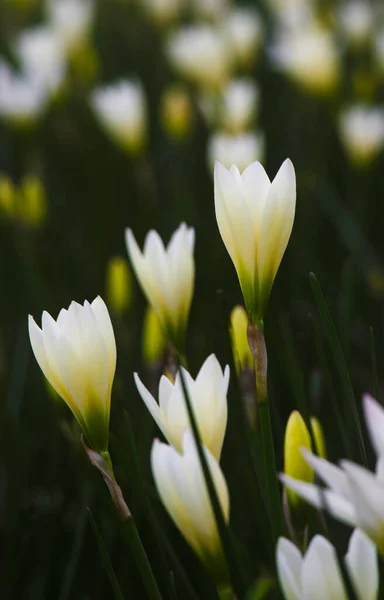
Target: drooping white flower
{"points": [[181, 485], [41, 54], [240, 150], [362, 132], [244, 31], [71, 20], [23, 97], [122, 110], [166, 276], [208, 395], [354, 495], [77, 354], [200, 54], [255, 218], [317, 575], [239, 103]]}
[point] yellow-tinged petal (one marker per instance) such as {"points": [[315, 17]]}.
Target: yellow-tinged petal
{"points": [[296, 437], [241, 352], [318, 437]]}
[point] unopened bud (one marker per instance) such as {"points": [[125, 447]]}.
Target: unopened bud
{"points": [[318, 437], [119, 285], [154, 343], [296, 437]]}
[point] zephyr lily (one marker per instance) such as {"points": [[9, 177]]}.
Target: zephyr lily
{"points": [[240, 99], [255, 218], [296, 437], [240, 150], [77, 354], [23, 97], [362, 132], [354, 495], [208, 395], [71, 20], [317, 575], [166, 277], [181, 485]]}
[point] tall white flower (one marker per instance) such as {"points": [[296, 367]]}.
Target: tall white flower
{"points": [[354, 494], [255, 218], [240, 150], [181, 485], [362, 132], [208, 395], [201, 54], [244, 31], [317, 576], [23, 97], [77, 354], [166, 276], [122, 110], [71, 20], [42, 56]]}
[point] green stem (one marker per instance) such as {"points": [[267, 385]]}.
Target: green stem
{"points": [[259, 352]]}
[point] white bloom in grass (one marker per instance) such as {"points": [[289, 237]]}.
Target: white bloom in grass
{"points": [[77, 354], [200, 54], [244, 30], [354, 495], [208, 395], [239, 103], [71, 20], [317, 575], [166, 276], [362, 132], [356, 20], [22, 97], [122, 110], [41, 54], [255, 218], [181, 485], [309, 56], [240, 150]]}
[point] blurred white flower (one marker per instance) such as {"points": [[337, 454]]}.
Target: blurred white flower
{"points": [[309, 56], [121, 108], [239, 103], [201, 54], [379, 49], [164, 12], [210, 9], [208, 395], [240, 150], [317, 575], [77, 354], [362, 132], [181, 486], [244, 30], [22, 97], [71, 20], [255, 219], [41, 54], [356, 20], [354, 495], [166, 277]]}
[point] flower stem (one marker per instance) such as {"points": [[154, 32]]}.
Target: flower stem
{"points": [[259, 352]]}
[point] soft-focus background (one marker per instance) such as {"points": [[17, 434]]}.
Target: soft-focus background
{"points": [[111, 115]]}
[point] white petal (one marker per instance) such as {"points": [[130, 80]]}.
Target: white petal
{"points": [[374, 418], [289, 564], [104, 325], [155, 411], [321, 577], [37, 343], [332, 475], [255, 186], [362, 564]]}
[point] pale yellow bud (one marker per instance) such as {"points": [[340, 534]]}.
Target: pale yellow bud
{"points": [[176, 112], [7, 196], [318, 437], [32, 205], [241, 352], [119, 285], [154, 342], [296, 437]]}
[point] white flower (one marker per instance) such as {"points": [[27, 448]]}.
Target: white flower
{"points": [[354, 495], [356, 21], [255, 218], [317, 576], [77, 354], [244, 31], [208, 396], [181, 485], [164, 12], [41, 54], [71, 20], [240, 150], [309, 56], [362, 132], [201, 54], [210, 9], [166, 277], [22, 97], [121, 108], [239, 103], [379, 49]]}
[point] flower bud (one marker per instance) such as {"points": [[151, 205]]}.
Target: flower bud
{"points": [[7, 196], [318, 437], [362, 132], [176, 112], [241, 352], [119, 285], [32, 205], [154, 344], [296, 437]]}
